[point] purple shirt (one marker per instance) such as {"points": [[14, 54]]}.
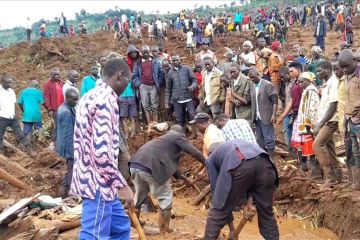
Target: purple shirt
{"points": [[96, 145]]}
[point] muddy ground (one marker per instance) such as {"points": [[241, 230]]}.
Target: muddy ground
{"points": [[338, 209]]}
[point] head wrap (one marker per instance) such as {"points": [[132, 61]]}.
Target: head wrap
{"points": [[308, 76], [316, 49], [228, 51], [275, 45], [248, 43]]}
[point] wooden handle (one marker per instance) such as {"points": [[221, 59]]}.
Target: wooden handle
{"points": [[136, 222]]}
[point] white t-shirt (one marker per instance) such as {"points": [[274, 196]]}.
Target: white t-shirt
{"points": [[189, 37], [7, 103], [249, 57], [158, 24], [213, 21], [186, 22], [329, 94], [123, 18], [207, 86]]}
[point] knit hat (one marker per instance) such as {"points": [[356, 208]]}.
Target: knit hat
{"points": [[248, 43], [228, 51], [308, 76], [275, 45]]}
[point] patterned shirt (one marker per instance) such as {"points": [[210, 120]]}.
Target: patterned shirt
{"points": [[238, 129], [96, 145]]}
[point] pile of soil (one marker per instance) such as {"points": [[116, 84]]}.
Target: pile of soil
{"points": [[337, 209]]}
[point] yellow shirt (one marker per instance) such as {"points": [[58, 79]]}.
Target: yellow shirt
{"points": [[341, 102], [212, 135]]}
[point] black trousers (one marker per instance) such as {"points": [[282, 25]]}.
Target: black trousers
{"points": [[14, 125], [256, 177]]}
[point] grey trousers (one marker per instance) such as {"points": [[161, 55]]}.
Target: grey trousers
{"points": [[144, 183]]}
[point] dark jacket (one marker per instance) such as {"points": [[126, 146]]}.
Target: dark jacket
{"points": [[267, 98], [322, 30], [222, 161], [178, 83], [157, 73], [50, 95], [65, 131], [161, 155]]}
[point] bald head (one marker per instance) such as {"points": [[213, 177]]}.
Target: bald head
{"points": [[34, 84], [73, 76], [347, 61]]}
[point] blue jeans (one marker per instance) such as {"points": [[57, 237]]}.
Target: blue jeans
{"points": [[320, 41], [265, 135], [29, 126], [287, 130], [354, 130], [104, 220]]}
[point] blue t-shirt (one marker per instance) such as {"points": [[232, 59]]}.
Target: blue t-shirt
{"points": [[88, 83], [31, 99]]}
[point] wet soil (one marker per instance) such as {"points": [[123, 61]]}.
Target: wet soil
{"points": [[297, 197]]}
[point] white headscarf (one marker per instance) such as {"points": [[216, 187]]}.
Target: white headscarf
{"points": [[248, 43]]}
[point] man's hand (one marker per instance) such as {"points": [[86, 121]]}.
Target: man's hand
{"points": [[191, 89], [273, 119], [201, 103], [237, 102], [278, 122], [51, 114], [249, 210], [317, 130], [167, 105], [127, 195]]}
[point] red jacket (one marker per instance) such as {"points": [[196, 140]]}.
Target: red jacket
{"points": [[50, 95], [198, 77]]}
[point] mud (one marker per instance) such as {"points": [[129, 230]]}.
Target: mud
{"points": [[297, 197]]}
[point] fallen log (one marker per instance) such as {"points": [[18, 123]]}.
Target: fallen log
{"points": [[64, 226], [14, 181], [201, 196], [14, 149], [13, 166]]}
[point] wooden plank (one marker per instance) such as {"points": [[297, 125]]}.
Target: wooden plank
{"points": [[15, 181], [16, 207], [15, 149], [13, 166], [201, 196]]}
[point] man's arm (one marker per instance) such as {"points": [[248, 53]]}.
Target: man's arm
{"points": [[192, 79], [168, 89], [274, 99], [21, 102], [136, 76], [329, 114], [47, 96], [187, 147], [65, 121]]}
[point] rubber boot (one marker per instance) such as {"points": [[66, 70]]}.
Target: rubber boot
{"points": [[338, 174], [315, 170], [303, 164], [164, 221], [349, 170], [356, 178], [328, 176]]}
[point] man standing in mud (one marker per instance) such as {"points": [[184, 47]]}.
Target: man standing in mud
{"points": [[65, 136], [96, 177], [154, 164], [54, 97], [237, 169]]}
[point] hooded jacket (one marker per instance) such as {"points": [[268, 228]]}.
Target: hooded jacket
{"points": [[131, 62]]}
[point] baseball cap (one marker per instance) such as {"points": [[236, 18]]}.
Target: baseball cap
{"points": [[199, 117]]}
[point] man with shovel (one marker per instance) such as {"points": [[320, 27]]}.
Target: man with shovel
{"points": [[237, 169]]}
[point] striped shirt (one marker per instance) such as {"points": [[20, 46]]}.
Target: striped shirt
{"points": [[96, 145], [238, 129]]}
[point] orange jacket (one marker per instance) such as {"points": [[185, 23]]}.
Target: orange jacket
{"points": [[276, 61]]}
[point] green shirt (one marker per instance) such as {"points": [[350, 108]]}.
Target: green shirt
{"points": [[31, 99], [87, 84]]}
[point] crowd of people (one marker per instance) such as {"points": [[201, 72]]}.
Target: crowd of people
{"points": [[232, 104]]}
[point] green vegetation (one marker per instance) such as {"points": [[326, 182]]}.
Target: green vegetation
{"points": [[94, 22]]}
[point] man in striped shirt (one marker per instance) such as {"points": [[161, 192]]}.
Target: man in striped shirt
{"points": [[96, 177], [235, 129]]}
